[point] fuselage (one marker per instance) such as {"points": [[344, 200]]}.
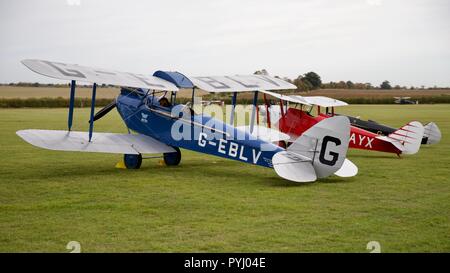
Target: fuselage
{"points": [[296, 121], [201, 133]]}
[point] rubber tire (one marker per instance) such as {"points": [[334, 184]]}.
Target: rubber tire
{"points": [[172, 159], [132, 161]]}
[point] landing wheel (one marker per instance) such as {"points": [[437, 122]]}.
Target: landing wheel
{"points": [[173, 159], [132, 161]]}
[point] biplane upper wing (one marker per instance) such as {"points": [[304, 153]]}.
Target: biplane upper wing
{"points": [[294, 99], [240, 83], [101, 142], [323, 101], [76, 72]]}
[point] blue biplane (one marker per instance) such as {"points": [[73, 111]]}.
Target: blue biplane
{"points": [[158, 125]]}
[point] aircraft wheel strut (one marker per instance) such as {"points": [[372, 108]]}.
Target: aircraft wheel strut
{"points": [[132, 161], [173, 159]]}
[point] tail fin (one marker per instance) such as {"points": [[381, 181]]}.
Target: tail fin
{"points": [[318, 152], [432, 133], [408, 138]]}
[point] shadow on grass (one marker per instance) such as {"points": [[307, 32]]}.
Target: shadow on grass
{"points": [[279, 182], [384, 156], [283, 183], [337, 180], [226, 172], [65, 171]]}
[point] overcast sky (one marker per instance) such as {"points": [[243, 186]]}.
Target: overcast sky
{"points": [[404, 41]]}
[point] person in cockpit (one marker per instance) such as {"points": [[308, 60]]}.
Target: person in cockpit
{"points": [[164, 102]]}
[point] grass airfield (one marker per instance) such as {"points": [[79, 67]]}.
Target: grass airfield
{"points": [[210, 204]]}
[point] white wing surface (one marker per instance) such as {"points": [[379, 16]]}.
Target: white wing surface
{"points": [[240, 83], [76, 72], [322, 101], [101, 142]]}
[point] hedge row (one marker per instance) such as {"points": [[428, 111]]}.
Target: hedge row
{"points": [[422, 100], [387, 100], [49, 102], [86, 102]]}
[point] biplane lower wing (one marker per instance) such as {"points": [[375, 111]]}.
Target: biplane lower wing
{"points": [[101, 142]]}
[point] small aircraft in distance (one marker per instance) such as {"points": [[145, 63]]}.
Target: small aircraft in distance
{"points": [[366, 135], [405, 100], [161, 126]]}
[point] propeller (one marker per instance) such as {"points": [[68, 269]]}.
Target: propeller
{"points": [[105, 110]]}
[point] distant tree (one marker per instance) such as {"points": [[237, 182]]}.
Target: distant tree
{"points": [[346, 85], [303, 84], [341, 85], [327, 85], [287, 79], [397, 87], [261, 72], [298, 82], [314, 79], [386, 85], [308, 85]]}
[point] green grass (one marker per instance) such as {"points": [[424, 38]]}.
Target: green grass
{"points": [[49, 198]]}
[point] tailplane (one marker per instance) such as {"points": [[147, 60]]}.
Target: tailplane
{"points": [[318, 152], [408, 138], [432, 134]]}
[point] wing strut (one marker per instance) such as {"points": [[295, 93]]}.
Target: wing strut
{"points": [[282, 108], [233, 107], [91, 120], [255, 101], [71, 104], [266, 102]]}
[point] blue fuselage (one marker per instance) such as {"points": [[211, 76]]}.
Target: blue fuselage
{"points": [[144, 114]]}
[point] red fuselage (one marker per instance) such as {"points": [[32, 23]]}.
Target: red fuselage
{"points": [[296, 121]]}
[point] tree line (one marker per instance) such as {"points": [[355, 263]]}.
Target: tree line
{"points": [[304, 82], [312, 81]]}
